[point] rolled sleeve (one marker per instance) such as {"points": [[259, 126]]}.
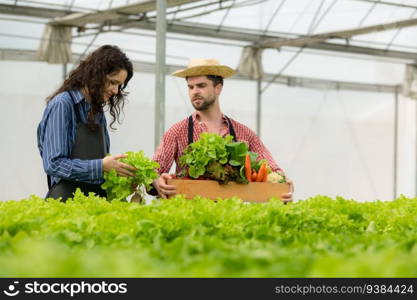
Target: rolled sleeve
{"points": [[165, 154]]}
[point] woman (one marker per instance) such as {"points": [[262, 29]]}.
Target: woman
{"points": [[72, 136]]}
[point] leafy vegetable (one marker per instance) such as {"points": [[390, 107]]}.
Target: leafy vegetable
{"points": [[217, 158], [120, 187], [317, 237], [276, 177], [209, 147], [237, 153], [223, 173]]}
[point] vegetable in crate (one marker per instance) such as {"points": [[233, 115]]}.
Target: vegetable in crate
{"points": [[262, 173], [119, 187], [248, 169], [210, 147], [276, 177], [217, 158]]}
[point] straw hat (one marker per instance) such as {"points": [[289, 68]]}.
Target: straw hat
{"points": [[202, 66]]}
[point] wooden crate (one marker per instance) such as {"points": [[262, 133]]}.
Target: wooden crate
{"points": [[254, 191]]}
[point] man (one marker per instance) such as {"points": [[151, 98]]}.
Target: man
{"points": [[205, 83]]}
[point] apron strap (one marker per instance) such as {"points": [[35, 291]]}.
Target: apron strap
{"points": [[49, 181], [231, 129], [190, 129]]}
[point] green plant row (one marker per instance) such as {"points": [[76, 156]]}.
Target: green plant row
{"points": [[317, 237]]}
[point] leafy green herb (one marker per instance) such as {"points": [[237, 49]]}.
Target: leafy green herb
{"points": [[120, 187], [237, 152], [209, 147]]}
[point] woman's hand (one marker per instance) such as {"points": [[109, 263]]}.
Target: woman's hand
{"points": [[122, 169], [164, 189]]}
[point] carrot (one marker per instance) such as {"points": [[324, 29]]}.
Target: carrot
{"points": [[254, 175], [248, 169], [265, 179], [262, 173]]}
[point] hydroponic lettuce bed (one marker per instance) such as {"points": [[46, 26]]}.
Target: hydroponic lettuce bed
{"points": [[318, 237]]}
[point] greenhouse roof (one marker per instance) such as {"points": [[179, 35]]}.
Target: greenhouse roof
{"points": [[290, 33]]}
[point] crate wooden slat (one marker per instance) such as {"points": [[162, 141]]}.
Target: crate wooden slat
{"points": [[254, 191]]}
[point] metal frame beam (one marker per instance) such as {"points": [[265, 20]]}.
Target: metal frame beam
{"points": [[389, 3], [341, 34], [228, 33], [254, 36], [113, 14], [32, 11], [148, 67], [160, 74]]}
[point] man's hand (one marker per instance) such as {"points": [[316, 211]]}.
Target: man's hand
{"points": [[287, 197], [122, 169], [161, 185]]}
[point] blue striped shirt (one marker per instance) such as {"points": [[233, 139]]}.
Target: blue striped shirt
{"points": [[56, 137]]}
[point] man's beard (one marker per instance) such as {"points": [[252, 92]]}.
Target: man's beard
{"points": [[205, 104]]}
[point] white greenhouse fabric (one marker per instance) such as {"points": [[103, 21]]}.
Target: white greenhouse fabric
{"points": [[250, 63], [55, 46], [410, 82]]}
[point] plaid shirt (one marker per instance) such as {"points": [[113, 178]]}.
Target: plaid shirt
{"points": [[175, 140]]}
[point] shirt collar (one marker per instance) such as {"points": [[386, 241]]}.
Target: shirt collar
{"points": [[78, 96]]}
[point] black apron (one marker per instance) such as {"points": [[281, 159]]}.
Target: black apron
{"points": [[88, 145], [191, 129]]}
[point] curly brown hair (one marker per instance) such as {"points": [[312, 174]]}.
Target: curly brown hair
{"points": [[91, 74]]}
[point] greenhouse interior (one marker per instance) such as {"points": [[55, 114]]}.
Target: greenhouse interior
{"points": [[329, 86]]}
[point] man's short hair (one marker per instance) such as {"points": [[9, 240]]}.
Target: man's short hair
{"points": [[215, 79]]}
